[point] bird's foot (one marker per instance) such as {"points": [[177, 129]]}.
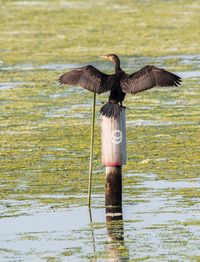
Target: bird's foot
{"points": [[124, 107]]}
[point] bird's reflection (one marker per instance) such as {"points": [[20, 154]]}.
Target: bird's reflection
{"points": [[116, 249]]}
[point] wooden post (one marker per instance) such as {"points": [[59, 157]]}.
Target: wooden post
{"points": [[113, 132], [113, 194]]}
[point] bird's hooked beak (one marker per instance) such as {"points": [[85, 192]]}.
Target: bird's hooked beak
{"points": [[106, 57]]}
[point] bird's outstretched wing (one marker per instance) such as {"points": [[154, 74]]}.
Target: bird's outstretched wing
{"points": [[88, 77], [148, 77]]}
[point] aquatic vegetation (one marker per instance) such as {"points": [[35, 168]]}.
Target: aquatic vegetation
{"points": [[75, 34]]}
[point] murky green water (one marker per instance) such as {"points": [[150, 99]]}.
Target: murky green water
{"points": [[156, 226], [45, 129], [44, 163]]}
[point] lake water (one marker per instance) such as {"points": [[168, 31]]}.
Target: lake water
{"points": [[44, 174]]}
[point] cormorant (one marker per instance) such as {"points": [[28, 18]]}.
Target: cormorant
{"points": [[120, 83]]}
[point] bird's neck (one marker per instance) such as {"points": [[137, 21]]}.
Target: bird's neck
{"points": [[117, 66]]}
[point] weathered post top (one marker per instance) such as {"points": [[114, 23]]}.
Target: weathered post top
{"points": [[113, 132]]}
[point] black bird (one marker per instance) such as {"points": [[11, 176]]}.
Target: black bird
{"points": [[120, 83]]}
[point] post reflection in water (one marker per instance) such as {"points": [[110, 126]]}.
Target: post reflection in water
{"points": [[116, 249]]}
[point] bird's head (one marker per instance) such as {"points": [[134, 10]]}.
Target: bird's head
{"points": [[111, 57]]}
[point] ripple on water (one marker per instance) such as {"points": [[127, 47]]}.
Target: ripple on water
{"points": [[180, 59], [189, 74], [30, 67], [10, 85], [130, 61], [141, 122]]}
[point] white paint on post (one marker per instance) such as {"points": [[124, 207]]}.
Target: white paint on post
{"points": [[113, 132]]}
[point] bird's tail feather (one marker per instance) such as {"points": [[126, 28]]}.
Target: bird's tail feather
{"points": [[111, 110]]}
